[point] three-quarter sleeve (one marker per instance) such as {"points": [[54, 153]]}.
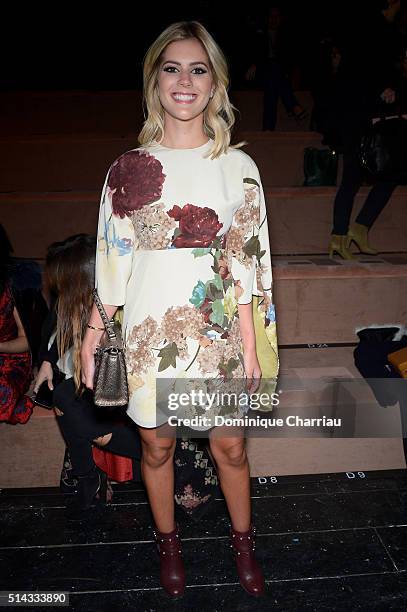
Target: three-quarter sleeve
{"points": [[249, 256], [239, 239], [114, 251], [264, 310]]}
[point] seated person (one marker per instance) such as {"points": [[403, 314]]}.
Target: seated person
{"points": [[15, 356], [70, 270]]}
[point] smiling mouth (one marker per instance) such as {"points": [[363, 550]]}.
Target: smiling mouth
{"points": [[184, 98]]}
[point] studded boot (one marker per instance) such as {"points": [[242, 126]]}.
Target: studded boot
{"points": [[249, 571], [172, 571]]}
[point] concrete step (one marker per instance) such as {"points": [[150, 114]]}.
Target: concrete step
{"points": [[116, 112], [299, 219], [40, 446], [322, 300], [275, 456], [80, 161], [279, 155]]}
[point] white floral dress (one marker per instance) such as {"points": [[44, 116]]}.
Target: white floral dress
{"points": [[182, 240]]}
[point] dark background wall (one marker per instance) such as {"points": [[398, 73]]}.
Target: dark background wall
{"points": [[69, 46]]}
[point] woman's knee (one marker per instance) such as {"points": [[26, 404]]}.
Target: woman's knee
{"points": [[157, 454], [230, 454]]}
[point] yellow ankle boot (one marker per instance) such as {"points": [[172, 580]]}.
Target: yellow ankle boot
{"points": [[338, 245], [358, 233]]}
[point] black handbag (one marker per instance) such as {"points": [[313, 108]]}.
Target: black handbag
{"points": [[320, 167], [383, 150]]}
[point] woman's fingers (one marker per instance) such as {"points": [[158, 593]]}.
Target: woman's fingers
{"points": [[253, 380], [38, 382], [45, 373]]}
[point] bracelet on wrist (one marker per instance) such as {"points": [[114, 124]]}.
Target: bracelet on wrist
{"points": [[97, 328]]}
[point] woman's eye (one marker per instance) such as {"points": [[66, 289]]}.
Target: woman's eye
{"points": [[203, 71]]}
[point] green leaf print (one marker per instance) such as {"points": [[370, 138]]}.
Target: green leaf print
{"points": [[217, 313], [212, 291], [168, 356], [228, 367], [232, 364], [216, 243], [252, 246], [251, 181], [215, 266], [200, 252], [260, 255], [218, 281]]}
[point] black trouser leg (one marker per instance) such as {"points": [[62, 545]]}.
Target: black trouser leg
{"points": [[286, 91], [82, 422], [125, 441], [345, 196], [377, 199]]}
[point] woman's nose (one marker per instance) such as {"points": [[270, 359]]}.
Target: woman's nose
{"points": [[185, 78]]}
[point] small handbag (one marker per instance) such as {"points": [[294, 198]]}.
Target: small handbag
{"points": [[320, 167], [110, 379], [383, 150]]}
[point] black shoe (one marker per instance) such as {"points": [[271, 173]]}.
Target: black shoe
{"points": [[91, 487], [68, 484]]}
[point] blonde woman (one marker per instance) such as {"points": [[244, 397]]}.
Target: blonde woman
{"points": [[183, 246]]}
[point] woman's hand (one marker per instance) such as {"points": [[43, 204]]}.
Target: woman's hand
{"points": [[252, 369], [89, 344], [44, 373], [250, 362]]}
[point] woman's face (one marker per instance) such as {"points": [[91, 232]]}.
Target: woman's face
{"points": [[184, 69]]}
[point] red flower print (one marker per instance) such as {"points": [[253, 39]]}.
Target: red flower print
{"points": [[137, 179], [224, 271], [204, 310], [198, 225]]}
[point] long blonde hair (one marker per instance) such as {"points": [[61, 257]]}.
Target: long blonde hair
{"points": [[219, 117]]}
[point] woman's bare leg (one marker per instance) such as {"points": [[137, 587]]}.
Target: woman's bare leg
{"points": [[234, 477], [157, 469]]}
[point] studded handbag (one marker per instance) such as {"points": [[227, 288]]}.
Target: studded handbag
{"points": [[110, 379]]}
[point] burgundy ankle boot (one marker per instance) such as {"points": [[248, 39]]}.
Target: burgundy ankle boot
{"points": [[249, 571], [172, 571]]}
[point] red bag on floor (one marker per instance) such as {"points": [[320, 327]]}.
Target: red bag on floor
{"points": [[117, 467]]}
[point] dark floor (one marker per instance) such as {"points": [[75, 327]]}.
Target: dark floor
{"points": [[326, 542]]}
